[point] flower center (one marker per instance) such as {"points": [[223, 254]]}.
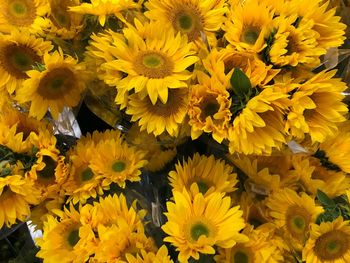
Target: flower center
{"points": [[153, 65], [292, 46], [209, 107], [48, 173], [87, 175], [185, 22], [198, 230], [240, 257], [250, 35], [73, 237], [17, 59], [188, 21], [56, 83], [20, 12], [241, 254], [118, 166], [203, 187], [297, 219], [60, 18], [332, 245]]}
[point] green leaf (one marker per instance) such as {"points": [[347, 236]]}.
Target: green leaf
{"points": [[324, 199], [241, 84]]}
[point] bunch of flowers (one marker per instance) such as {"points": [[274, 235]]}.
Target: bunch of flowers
{"points": [[231, 136]]}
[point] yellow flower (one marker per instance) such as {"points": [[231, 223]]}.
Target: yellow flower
{"points": [[104, 8], [23, 14], [222, 63], [209, 108], [293, 213], [191, 17], [245, 29], [117, 162], [317, 107], [259, 127], [96, 137], [17, 194], [197, 225], [254, 212], [153, 62], [159, 117], [63, 23], [328, 242], [203, 174], [151, 257], [19, 52], [67, 238], [59, 85]]}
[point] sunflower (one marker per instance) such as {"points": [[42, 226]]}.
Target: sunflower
{"points": [[190, 17], [150, 257], [222, 63], [65, 239], [328, 242], [117, 162], [82, 183], [59, 85], [295, 44], [23, 14], [159, 117], [197, 225], [293, 213], [259, 248], [17, 194], [208, 174], [158, 152], [153, 62], [209, 108], [259, 127], [317, 107], [96, 137], [245, 29], [105, 8], [62, 23], [19, 52]]}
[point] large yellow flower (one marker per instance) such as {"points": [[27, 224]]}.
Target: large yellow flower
{"points": [[23, 14], [246, 29], [328, 242], [191, 17], [293, 213], [59, 85], [209, 175], [104, 8], [151, 257], [117, 162], [317, 107], [153, 61], [197, 225], [19, 52], [209, 108], [159, 117], [259, 127]]}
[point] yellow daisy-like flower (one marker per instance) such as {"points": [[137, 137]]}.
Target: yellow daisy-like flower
{"points": [[208, 174], [150, 257], [195, 225], [117, 162], [19, 52], [259, 248], [154, 61], [191, 17], [158, 152], [63, 23], [317, 107], [96, 137], [259, 127], [222, 63], [294, 213], [23, 14], [245, 29], [66, 239], [17, 194], [105, 8], [159, 117], [295, 45], [328, 242], [209, 108], [337, 148], [59, 85]]}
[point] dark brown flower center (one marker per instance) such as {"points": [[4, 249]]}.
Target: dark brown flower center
{"points": [[332, 245], [20, 12]]}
